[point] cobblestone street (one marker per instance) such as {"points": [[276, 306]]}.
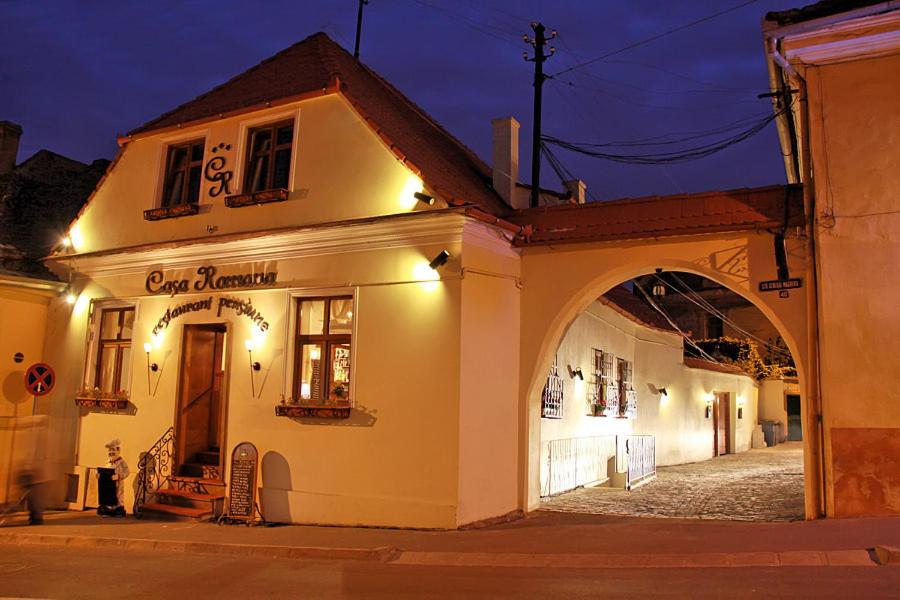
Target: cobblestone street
{"points": [[758, 485]]}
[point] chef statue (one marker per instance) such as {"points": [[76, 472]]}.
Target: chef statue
{"points": [[111, 488]]}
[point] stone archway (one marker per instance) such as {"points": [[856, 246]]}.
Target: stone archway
{"points": [[560, 282]]}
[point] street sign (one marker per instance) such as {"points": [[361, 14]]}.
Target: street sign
{"points": [[39, 379], [780, 284]]}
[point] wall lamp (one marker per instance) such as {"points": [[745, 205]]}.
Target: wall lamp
{"points": [[424, 198], [662, 392], [254, 366], [150, 366], [576, 372], [659, 288], [439, 261]]}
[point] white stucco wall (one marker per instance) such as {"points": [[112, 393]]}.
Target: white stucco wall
{"points": [[677, 420]]}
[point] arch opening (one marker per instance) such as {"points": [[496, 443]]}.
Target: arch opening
{"points": [[632, 390]]}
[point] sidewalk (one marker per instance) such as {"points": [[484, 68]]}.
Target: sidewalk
{"points": [[540, 539]]}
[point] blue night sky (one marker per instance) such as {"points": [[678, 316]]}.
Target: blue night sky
{"points": [[76, 73]]}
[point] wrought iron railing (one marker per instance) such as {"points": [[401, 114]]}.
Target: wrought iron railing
{"points": [[154, 468]]}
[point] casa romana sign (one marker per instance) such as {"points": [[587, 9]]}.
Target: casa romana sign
{"points": [[208, 278]]}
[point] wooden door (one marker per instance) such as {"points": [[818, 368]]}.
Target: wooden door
{"points": [[721, 424], [200, 402]]}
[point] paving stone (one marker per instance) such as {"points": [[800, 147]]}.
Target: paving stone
{"points": [[757, 485]]}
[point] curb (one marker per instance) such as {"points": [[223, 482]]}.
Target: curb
{"points": [[887, 555], [378, 554]]}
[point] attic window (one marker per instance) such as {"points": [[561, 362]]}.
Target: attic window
{"points": [[183, 171], [269, 157]]}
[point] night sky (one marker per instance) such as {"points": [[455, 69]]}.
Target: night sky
{"points": [[74, 74]]}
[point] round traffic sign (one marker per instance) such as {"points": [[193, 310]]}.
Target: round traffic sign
{"points": [[39, 379]]}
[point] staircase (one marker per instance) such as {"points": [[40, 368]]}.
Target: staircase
{"points": [[197, 492]]}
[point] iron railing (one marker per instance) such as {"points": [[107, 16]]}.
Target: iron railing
{"points": [[154, 468]]}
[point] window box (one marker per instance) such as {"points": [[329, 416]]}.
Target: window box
{"points": [[340, 410], [264, 197], [106, 402], [171, 212]]}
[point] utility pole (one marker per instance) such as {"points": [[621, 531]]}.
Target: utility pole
{"points": [[538, 44], [359, 27]]}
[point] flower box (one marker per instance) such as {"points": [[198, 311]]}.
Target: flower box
{"points": [[263, 197], [171, 212], [339, 410], [99, 402]]}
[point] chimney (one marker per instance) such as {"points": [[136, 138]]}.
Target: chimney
{"points": [[506, 161], [576, 188], [9, 145]]}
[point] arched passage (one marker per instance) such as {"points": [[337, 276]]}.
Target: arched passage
{"points": [[561, 282]]}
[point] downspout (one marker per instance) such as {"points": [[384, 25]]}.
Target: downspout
{"points": [[801, 170]]}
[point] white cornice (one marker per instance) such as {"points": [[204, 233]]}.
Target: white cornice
{"points": [[870, 36], [318, 241]]}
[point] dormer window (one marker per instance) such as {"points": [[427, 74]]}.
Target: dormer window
{"points": [[184, 165], [269, 157]]}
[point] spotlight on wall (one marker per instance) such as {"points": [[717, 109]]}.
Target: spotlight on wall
{"points": [[70, 297], [662, 391], [66, 242], [439, 261], [150, 366], [576, 372], [148, 347], [424, 198], [254, 366]]}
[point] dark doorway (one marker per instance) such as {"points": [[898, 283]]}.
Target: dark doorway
{"points": [[795, 429], [721, 424], [199, 421]]}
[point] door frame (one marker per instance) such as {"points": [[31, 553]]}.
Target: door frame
{"points": [[716, 413], [223, 413]]}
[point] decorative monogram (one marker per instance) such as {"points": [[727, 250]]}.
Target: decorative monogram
{"points": [[214, 172]]}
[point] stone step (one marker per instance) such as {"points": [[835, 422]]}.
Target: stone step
{"points": [[203, 485], [192, 499], [175, 512], [195, 469]]}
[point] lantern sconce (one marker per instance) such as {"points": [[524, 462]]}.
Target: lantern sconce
{"points": [[576, 372], [662, 391], [659, 286]]}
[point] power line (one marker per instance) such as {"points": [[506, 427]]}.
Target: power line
{"points": [[656, 37], [694, 297], [694, 153], [666, 316]]}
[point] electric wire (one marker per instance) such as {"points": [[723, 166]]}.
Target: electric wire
{"points": [[671, 322], [656, 37], [668, 157], [694, 297]]}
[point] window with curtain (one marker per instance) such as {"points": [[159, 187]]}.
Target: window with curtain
{"points": [[322, 357]]}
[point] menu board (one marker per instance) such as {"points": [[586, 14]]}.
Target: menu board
{"points": [[242, 484]]}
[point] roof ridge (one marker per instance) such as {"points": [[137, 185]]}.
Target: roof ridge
{"points": [[279, 54]]}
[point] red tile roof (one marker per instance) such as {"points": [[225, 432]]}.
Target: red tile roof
{"points": [[635, 309], [313, 65], [661, 216]]}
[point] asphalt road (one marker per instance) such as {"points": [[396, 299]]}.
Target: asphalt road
{"points": [[54, 572]]}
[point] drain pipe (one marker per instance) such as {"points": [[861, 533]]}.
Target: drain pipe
{"points": [[802, 170]]}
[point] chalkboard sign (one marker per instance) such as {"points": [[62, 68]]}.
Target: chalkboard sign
{"points": [[242, 485]]}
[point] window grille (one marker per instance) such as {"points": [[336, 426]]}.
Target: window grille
{"points": [[552, 396]]}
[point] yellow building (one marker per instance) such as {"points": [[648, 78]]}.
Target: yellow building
{"points": [[837, 74]]}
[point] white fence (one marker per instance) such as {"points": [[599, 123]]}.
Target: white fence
{"points": [[573, 462]]}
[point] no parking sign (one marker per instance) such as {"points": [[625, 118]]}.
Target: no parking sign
{"points": [[39, 379]]}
